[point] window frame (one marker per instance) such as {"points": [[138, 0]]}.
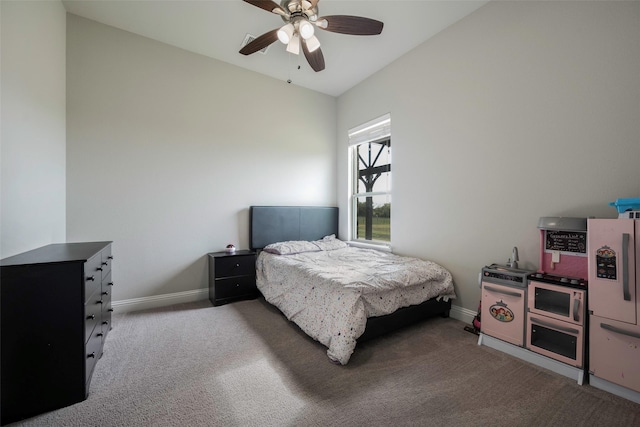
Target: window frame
{"points": [[377, 131]]}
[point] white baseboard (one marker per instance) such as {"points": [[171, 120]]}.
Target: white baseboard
{"points": [[616, 389], [462, 314], [156, 301], [531, 357]]}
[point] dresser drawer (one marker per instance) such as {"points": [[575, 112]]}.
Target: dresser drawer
{"points": [[92, 276], [92, 315], [106, 320], [235, 266], [106, 260], [92, 353], [107, 285], [235, 287]]}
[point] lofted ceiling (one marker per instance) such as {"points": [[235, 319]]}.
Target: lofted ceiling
{"points": [[217, 29]]}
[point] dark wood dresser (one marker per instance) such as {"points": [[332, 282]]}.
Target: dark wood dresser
{"points": [[56, 313], [232, 276]]}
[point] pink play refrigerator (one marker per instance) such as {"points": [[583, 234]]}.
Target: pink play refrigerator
{"points": [[614, 305]]}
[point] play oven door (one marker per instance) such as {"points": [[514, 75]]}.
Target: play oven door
{"points": [[556, 339]]}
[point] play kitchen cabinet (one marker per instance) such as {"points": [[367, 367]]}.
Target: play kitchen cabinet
{"points": [[614, 306], [232, 276], [56, 312], [504, 294]]}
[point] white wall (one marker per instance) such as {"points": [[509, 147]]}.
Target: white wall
{"points": [[32, 207], [167, 150], [520, 110]]}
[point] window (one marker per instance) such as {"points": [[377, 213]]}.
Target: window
{"points": [[370, 153]]}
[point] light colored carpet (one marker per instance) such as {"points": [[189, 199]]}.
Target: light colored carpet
{"points": [[244, 364]]}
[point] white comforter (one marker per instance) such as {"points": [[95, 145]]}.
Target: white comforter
{"points": [[330, 294]]}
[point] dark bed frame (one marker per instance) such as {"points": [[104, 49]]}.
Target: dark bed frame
{"points": [[270, 224]]}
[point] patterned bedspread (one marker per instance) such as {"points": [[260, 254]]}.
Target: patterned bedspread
{"points": [[330, 293]]}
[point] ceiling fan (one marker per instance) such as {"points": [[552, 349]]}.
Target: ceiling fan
{"points": [[301, 18]]}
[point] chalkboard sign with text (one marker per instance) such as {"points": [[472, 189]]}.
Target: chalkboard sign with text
{"points": [[572, 242]]}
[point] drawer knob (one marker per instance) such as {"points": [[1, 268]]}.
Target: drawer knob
{"points": [[93, 316], [105, 293], [237, 265], [111, 309], [109, 257], [106, 322], [99, 268], [99, 302], [92, 278], [91, 355], [110, 284], [105, 263], [99, 334]]}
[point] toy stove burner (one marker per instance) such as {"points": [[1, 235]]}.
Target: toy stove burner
{"points": [[573, 282]]}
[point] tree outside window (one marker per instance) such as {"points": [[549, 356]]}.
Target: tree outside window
{"points": [[372, 190]]}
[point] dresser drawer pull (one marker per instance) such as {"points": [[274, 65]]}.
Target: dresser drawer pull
{"points": [[92, 278], [109, 257], [111, 309], [99, 334], [99, 302], [93, 316], [105, 293], [91, 355], [110, 284], [106, 322], [99, 268], [237, 265], [105, 263]]}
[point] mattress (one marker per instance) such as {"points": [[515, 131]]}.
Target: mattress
{"points": [[330, 292]]}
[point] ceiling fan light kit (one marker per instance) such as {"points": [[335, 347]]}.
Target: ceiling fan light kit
{"points": [[286, 33], [313, 43], [294, 45], [305, 29], [301, 18]]}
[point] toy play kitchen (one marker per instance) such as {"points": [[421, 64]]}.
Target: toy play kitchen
{"points": [[540, 315], [614, 303]]}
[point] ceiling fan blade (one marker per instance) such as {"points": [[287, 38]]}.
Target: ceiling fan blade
{"points": [[315, 58], [312, 3], [354, 25], [260, 43], [269, 6]]}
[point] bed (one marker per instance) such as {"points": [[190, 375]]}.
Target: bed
{"points": [[337, 294]]}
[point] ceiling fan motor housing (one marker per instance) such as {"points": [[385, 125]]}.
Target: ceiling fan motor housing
{"points": [[299, 9]]}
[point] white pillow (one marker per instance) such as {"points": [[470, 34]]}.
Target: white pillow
{"points": [[330, 243], [327, 243], [291, 247]]}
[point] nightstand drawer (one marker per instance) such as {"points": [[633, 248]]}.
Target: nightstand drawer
{"points": [[235, 266], [235, 287]]}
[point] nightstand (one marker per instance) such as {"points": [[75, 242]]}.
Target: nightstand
{"points": [[232, 276]]}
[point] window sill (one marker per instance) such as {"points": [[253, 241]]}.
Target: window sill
{"points": [[379, 247]]}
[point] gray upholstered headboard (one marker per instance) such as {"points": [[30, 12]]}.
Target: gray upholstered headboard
{"points": [[270, 224]]}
